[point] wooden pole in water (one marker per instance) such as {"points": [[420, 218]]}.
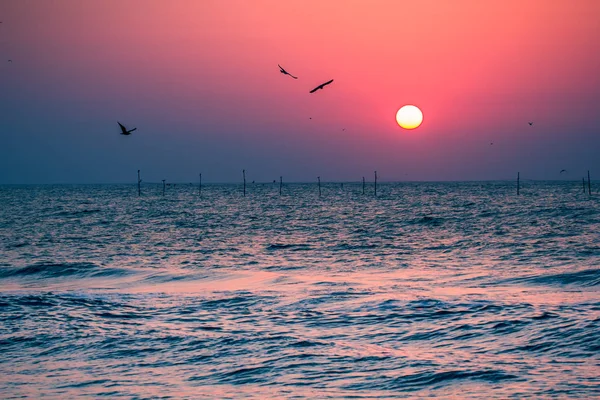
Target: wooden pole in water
{"points": [[163, 187], [363, 185], [244, 173], [200, 186], [139, 186], [589, 184], [280, 184], [375, 183], [518, 182], [319, 179]]}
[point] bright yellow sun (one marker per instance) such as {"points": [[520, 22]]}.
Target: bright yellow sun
{"points": [[409, 117]]}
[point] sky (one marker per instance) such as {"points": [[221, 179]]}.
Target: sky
{"points": [[200, 82]]}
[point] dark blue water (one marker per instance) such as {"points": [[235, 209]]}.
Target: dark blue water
{"points": [[429, 290]]}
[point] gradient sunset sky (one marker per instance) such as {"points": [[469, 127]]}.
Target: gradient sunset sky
{"points": [[199, 80]]}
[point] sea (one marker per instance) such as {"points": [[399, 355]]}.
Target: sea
{"points": [[423, 290]]}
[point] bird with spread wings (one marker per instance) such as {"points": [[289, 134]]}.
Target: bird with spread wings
{"points": [[124, 130], [321, 86], [283, 71]]}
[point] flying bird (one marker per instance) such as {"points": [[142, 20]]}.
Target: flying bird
{"points": [[321, 86], [283, 71], [124, 130], [9, 60], [530, 123], [562, 170]]}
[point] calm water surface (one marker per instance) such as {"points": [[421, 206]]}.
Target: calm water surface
{"points": [[429, 290]]}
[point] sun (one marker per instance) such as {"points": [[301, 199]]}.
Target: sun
{"points": [[409, 117]]}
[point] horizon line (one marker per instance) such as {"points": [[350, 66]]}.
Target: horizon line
{"points": [[291, 182]]}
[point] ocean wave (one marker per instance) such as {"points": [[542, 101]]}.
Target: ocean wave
{"points": [[427, 220], [75, 213], [290, 246], [59, 270], [584, 278], [435, 378]]}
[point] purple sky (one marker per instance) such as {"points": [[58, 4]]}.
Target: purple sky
{"points": [[199, 80]]}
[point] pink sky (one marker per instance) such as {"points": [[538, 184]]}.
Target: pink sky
{"points": [[200, 81]]}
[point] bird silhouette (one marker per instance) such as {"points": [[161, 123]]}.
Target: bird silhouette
{"points": [[10, 61], [530, 123], [283, 71], [562, 170], [321, 86], [124, 130]]}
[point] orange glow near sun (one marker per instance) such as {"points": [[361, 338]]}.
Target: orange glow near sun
{"points": [[409, 117]]}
